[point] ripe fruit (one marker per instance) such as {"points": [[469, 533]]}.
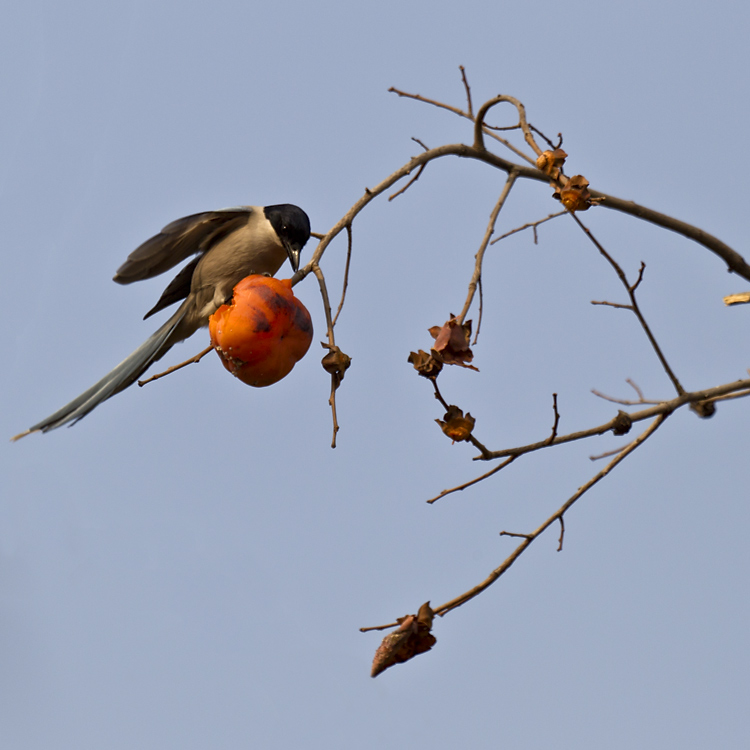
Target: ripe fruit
{"points": [[263, 332]]}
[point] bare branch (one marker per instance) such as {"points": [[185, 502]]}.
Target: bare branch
{"points": [[469, 107], [551, 438], [197, 358], [532, 225], [562, 534], [471, 483], [476, 275], [625, 402], [481, 311], [413, 179], [633, 302], [733, 259], [331, 345], [529, 538], [665, 407], [616, 305], [346, 273], [485, 108], [469, 116]]}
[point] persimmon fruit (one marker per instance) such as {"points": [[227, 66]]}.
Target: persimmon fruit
{"points": [[263, 332]]}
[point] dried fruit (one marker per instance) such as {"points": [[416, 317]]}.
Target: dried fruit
{"points": [[425, 364], [411, 638], [335, 362], [457, 426], [575, 195], [550, 162], [263, 332]]}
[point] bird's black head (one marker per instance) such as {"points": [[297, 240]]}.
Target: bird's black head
{"points": [[293, 228]]}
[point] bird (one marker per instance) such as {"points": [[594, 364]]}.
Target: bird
{"points": [[229, 244]]}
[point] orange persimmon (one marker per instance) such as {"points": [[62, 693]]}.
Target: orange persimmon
{"points": [[263, 332]]}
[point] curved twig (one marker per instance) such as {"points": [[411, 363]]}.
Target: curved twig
{"points": [[522, 123], [735, 262]]}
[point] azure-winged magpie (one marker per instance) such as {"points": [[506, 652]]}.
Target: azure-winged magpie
{"points": [[229, 244]]}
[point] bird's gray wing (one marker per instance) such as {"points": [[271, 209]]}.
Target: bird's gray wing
{"points": [[179, 240], [178, 288]]}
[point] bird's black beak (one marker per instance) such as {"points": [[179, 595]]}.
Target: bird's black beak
{"points": [[292, 250]]}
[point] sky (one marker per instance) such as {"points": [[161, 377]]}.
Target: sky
{"points": [[189, 566]]}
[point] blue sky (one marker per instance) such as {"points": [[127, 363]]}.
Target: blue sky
{"points": [[189, 566]]}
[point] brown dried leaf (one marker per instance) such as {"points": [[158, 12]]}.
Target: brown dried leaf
{"points": [[335, 362], [704, 409], [425, 364], [550, 162], [452, 343], [575, 195], [457, 426], [412, 637], [622, 423]]}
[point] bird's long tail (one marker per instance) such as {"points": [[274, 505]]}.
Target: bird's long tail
{"points": [[125, 374]]}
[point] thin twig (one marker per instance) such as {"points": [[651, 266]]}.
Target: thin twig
{"points": [[552, 437], [331, 342], [531, 225], [481, 311], [346, 273], [408, 184], [479, 257], [635, 387], [741, 394], [617, 305], [562, 534], [625, 402], [468, 91], [613, 452], [378, 627], [438, 395], [633, 302], [413, 179], [197, 358], [553, 146], [474, 481]]}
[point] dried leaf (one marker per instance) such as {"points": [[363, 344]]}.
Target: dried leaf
{"points": [[737, 299], [550, 162], [622, 423], [457, 426], [451, 345], [412, 637], [335, 362], [425, 364], [704, 409], [575, 195]]}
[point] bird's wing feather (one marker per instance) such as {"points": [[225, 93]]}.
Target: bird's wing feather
{"points": [[179, 240], [126, 373], [178, 288]]}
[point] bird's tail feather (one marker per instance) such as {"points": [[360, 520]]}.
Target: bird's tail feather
{"points": [[120, 377]]}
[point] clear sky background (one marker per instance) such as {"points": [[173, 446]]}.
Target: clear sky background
{"points": [[189, 566]]}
